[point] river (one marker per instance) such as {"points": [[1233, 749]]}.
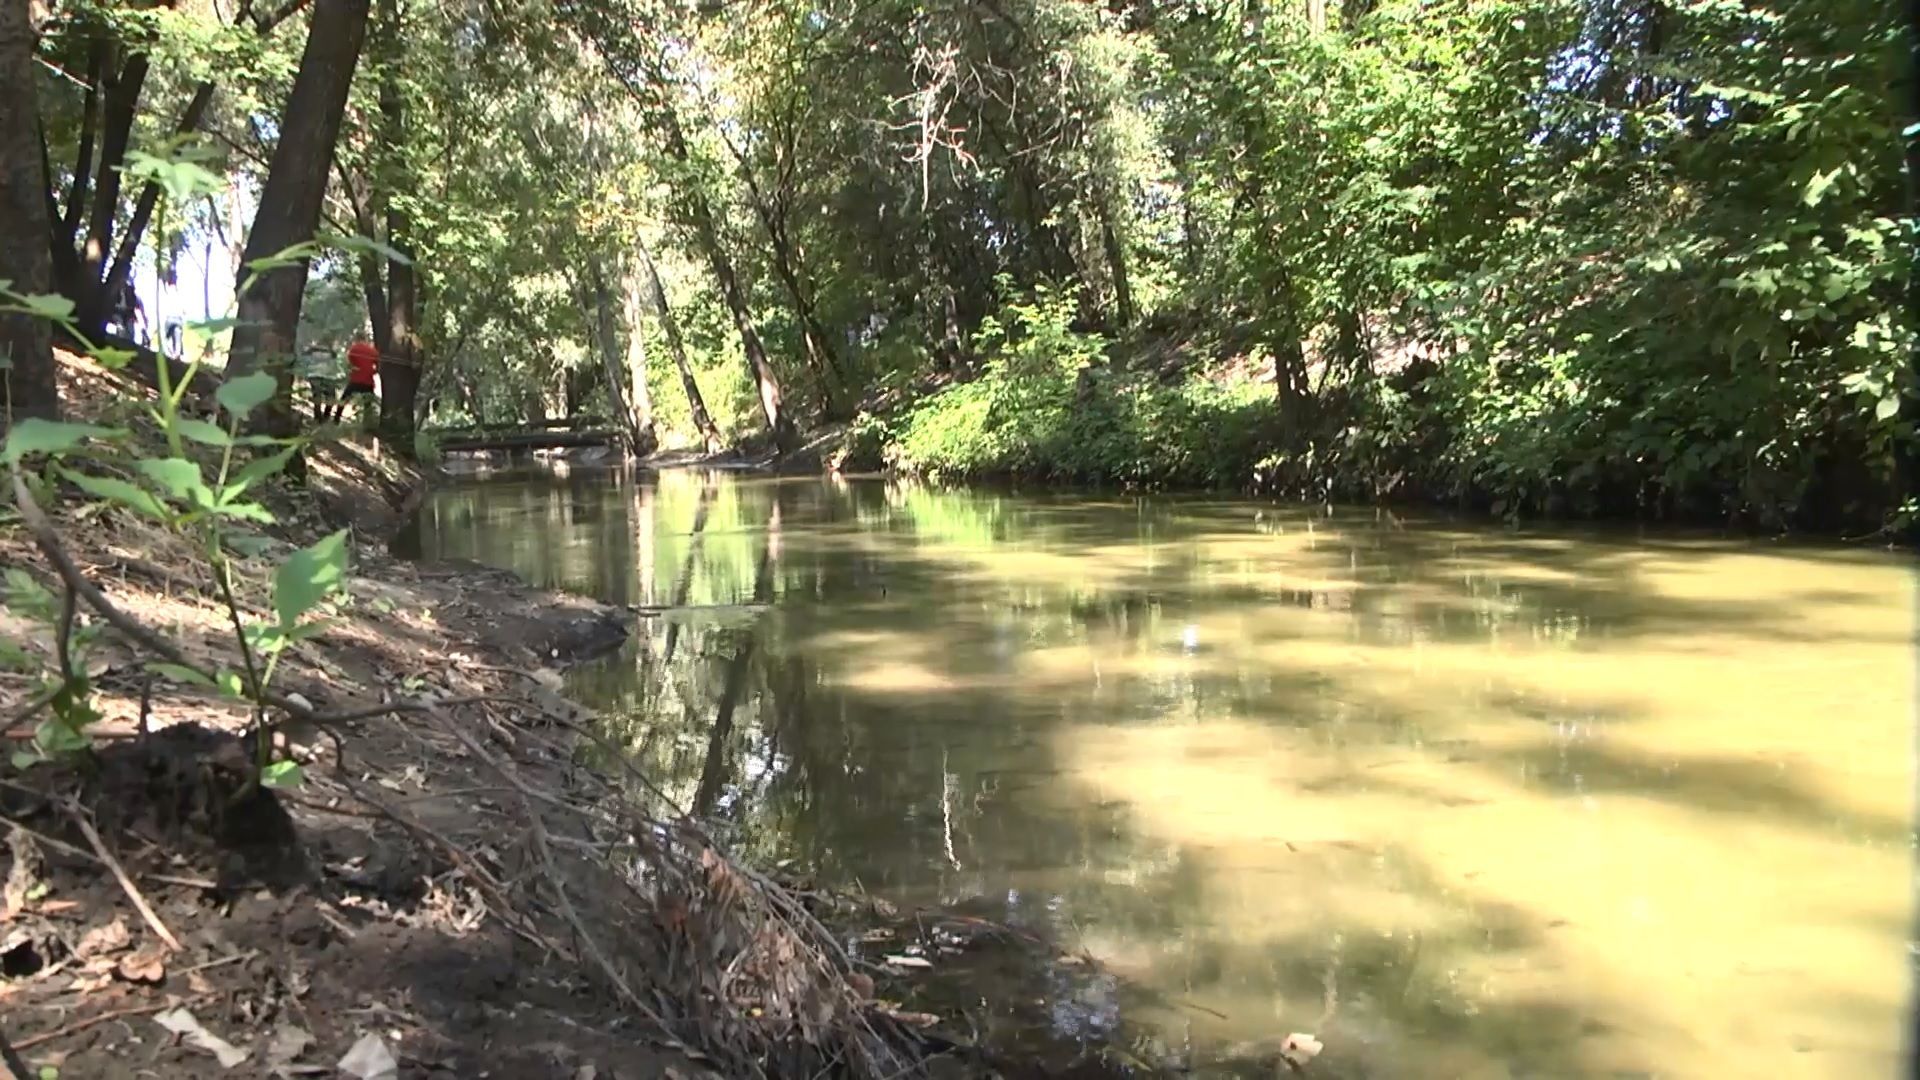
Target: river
{"points": [[1463, 801]]}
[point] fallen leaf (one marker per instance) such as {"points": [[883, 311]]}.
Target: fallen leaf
{"points": [[909, 961], [287, 1044], [104, 939], [369, 1059], [185, 1024], [199, 983], [1299, 1049], [149, 965]]}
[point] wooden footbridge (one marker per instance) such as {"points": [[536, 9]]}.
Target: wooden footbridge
{"points": [[544, 435]]}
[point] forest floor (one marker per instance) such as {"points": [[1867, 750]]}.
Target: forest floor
{"points": [[413, 908]]}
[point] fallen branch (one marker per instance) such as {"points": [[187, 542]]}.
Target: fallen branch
{"points": [[111, 1014], [126, 883]]}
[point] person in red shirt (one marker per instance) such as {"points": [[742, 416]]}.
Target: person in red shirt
{"points": [[363, 365]]}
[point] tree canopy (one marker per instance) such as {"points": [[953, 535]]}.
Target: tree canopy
{"points": [[1602, 256]]}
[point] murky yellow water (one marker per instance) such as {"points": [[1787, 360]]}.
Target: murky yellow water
{"points": [[1463, 801]]}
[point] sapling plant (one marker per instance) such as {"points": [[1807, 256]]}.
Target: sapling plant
{"points": [[198, 478]]}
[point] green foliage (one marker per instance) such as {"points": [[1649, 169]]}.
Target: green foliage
{"points": [[1046, 405], [173, 489], [308, 577]]}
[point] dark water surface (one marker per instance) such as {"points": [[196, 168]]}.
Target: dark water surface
{"points": [[1463, 801]]}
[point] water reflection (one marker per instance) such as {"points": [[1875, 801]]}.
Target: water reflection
{"points": [[1465, 802]]}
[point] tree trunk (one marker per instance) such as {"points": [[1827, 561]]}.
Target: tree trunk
{"points": [[400, 363], [31, 387], [122, 265], [822, 358], [707, 234], [400, 353], [117, 113], [696, 405], [1116, 266], [639, 395], [290, 200], [616, 365]]}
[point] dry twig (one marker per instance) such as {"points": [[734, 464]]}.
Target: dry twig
{"points": [[126, 883]]}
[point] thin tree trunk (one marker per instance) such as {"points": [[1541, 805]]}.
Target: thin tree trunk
{"points": [[1116, 266], [31, 387], [290, 200], [707, 234], [121, 100], [367, 263], [821, 356], [400, 357], [130, 237], [597, 297], [69, 224], [639, 394], [696, 405]]}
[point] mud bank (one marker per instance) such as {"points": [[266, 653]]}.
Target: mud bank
{"points": [[462, 884]]}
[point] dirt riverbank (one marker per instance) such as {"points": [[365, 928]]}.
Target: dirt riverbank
{"points": [[451, 887]]}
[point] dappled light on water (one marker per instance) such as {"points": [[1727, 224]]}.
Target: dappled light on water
{"points": [[1462, 800]]}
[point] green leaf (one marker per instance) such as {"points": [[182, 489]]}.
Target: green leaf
{"points": [[265, 637], [256, 470], [1818, 186], [308, 577], [36, 436], [291, 255], [56, 736], [111, 358], [282, 774], [25, 759], [312, 628], [182, 178], [178, 477], [366, 245], [1888, 408], [182, 674], [118, 492], [201, 431], [232, 685], [250, 546], [245, 511], [42, 306], [244, 393], [15, 658], [29, 597]]}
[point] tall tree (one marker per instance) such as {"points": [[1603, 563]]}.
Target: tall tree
{"points": [[30, 385], [676, 344], [292, 196], [401, 355]]}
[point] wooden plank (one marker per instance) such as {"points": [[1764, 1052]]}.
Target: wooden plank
{"points": [[529, 440]]}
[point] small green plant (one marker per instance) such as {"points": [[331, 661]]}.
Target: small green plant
{"points": [[201, 480]]}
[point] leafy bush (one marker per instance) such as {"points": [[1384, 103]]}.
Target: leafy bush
{"points": [[1045, 405]]}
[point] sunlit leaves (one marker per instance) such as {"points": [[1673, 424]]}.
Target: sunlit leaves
{"points": [[308, 577], [242, 394], [33, 436]]}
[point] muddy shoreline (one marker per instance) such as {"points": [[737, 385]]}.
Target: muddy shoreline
{"points": [[160, 917]]}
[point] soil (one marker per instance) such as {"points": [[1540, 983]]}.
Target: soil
{"points": [[152, 875]]}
